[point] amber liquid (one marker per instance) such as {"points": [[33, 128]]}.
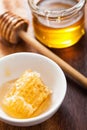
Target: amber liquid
{"points": [[4, 89], [57, 36]]}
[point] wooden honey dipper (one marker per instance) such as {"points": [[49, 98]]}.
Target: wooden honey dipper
{"points": [[13, 27]]}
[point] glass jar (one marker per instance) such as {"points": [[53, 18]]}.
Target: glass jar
{"points": [[58, 23]]}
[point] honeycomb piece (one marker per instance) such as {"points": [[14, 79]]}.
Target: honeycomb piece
{"points": [[26, 95]]}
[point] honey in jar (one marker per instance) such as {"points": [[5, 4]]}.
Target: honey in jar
{"points": [[58, 24]]}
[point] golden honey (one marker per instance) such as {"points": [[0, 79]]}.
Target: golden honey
{"points": [[25, 97], [57, 24]]}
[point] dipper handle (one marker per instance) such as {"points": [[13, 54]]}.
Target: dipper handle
{"points": [[77, 76]]}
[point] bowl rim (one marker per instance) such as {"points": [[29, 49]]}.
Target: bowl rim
{"points": [[47, 113]]}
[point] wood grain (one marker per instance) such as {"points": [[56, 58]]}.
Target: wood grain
{"points": [[72, 114]]}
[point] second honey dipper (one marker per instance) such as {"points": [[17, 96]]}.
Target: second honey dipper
{"points": [[13, 27]]}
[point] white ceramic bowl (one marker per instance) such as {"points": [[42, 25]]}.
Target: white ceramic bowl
{"points": [[51, 74]]}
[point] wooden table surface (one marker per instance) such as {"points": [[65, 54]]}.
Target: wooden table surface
{"points": [[72, 115]]}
